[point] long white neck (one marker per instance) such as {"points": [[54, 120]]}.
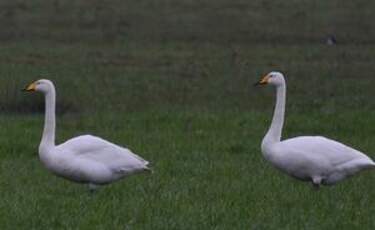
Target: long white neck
{"points": [[274, 133], [48, 138]]}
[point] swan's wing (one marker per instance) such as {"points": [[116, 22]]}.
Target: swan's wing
{"points": [[323, 149], [96, 149]]}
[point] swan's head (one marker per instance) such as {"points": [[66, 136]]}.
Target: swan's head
{"points": [[272, 78], [41, 85]]}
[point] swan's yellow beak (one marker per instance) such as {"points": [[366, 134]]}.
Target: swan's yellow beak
{"points": [[263, 80], [30, 88]]}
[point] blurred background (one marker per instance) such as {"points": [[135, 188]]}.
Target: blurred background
{"points": [[146, 55], [172, 80]]}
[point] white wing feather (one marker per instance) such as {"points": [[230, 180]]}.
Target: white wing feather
{"points": [[98, 148], [323, 148], [306, 157], [93, 157]]}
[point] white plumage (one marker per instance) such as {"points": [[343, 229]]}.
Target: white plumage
{"points": [[308, 158], [84, 159]]}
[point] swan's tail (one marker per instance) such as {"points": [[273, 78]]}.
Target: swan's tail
{"points": [[145, 163]]}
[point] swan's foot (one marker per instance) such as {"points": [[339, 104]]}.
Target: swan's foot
{"points": [[315, 186], [148, 170], [93, 188]]}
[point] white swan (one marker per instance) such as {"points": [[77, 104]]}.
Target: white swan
{"points": [[84, 159], [308, 158]]}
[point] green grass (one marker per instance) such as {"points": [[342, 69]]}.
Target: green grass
{"points": [[173, 82], [209, 174]]}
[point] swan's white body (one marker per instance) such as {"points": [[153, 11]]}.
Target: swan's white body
{"points": [[90, 159], [84, 159], [308, 158]]}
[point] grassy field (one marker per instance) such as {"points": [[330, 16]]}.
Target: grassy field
{"points": [[172, 80]]}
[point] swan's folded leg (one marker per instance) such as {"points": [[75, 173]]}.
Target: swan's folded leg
{"points": [[316, 181]]}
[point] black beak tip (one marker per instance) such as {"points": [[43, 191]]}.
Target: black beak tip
{"points": [[256, 83]]}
